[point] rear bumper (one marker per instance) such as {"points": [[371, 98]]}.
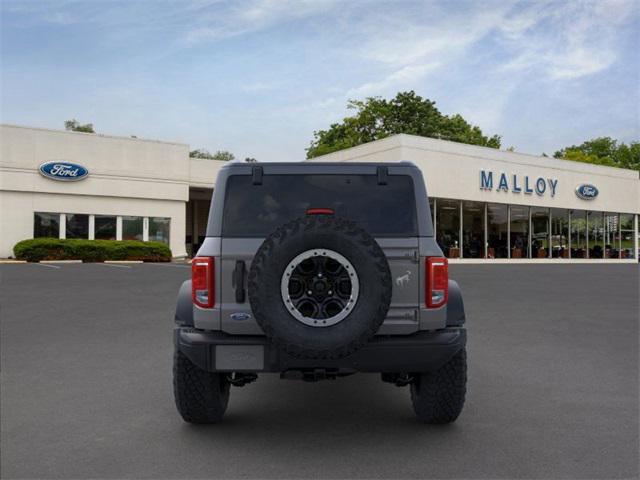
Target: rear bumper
{"points": [[420, 352]]}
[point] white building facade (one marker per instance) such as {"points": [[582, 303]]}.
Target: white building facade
{"points": [[499, 206], [487, 204], [134, 189]]}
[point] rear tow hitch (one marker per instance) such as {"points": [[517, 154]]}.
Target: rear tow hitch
{"points": [[241, 379], [398, 379], [310, 375]]}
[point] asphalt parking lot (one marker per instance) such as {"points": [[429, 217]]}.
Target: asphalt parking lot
{"points": [[86, 386]]}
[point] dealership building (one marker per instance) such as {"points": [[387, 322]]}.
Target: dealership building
{"points": [[486, 204]]}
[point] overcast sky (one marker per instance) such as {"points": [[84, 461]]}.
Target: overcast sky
{"points": [[258, 77]]}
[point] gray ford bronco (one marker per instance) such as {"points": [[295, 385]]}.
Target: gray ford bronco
{"points": [[317, 271]]}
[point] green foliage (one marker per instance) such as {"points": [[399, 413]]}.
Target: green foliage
{"points": [[36, 249], [377, 118], [75, 126], [223, 155], [604, 151]]}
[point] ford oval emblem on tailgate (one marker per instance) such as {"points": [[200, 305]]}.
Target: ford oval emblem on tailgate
{"points": [[240, 316]]}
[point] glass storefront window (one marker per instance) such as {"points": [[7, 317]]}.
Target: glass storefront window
{"points": [[472, 230], [132, 228], [519, 231], [159, 229], [105, 227], [596, 234], [448, 227], [497, 231], [611, 236], [559, 233], [77, 226], [539, 232], [626, 236], [46, 225], [578, 234]]}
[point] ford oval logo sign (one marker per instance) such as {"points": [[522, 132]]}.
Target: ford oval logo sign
{"points": [[586, 191], [63, 171]]}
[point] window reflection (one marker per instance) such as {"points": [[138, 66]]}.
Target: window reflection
{"points": [[104, 227], [578, 234], [626, 236], [596, 235], [559, 233], [132, 228], [473, 230], [497, 230], [46, 225], [539, 232], [448, 231], [611, 235], [519, 231], [159, 229], [77, 226]]}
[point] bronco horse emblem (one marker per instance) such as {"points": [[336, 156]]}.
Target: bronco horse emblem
{"points": [[404, 279]]}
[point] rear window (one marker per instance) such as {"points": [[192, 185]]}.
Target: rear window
{"points": [[257, 210]]}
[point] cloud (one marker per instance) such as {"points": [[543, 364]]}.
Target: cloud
{"points": [[400, 79], [247, 17], [565, 41]]}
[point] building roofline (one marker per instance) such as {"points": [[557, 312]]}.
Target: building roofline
{"points": [[404, 140], [508, 156], [102, 135]]}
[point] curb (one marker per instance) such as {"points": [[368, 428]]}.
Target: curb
{"points": [[60, 261], [123, 261], [8, 262], [541, 261]]}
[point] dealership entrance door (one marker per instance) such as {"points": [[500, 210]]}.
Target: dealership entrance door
{"points": [[196, 217]]}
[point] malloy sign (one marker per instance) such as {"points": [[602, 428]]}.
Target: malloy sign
{"points": [[515, 183]]}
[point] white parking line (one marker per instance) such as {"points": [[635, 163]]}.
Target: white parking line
{"points": [[170, 265], [113, 265], [46, 265]]}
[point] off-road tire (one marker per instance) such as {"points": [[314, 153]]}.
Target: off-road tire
{"points": [[317, 232], [438, 397], [201, 396]]}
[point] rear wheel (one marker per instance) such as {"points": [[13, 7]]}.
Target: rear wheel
{"points": [[201, 396], [438, 397]]}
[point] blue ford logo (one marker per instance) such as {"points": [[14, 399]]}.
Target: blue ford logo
{"points": [[240, 316], [64, 171], [586, 191]]}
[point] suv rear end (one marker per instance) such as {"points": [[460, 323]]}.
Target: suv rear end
{"points": [[271, 290]]}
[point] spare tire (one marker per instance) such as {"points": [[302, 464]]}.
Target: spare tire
{"points": [[320, 287]]}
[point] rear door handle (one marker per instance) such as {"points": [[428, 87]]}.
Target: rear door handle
{"points": [[238, 281]]}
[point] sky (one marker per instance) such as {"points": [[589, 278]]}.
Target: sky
{"points": [[258, 77]]}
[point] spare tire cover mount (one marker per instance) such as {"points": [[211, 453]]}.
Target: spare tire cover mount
{"points": [[320, 287]]}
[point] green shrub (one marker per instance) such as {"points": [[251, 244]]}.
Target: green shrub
{"points": [[36, 249]]}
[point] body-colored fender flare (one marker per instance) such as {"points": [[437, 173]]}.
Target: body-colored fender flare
{"points": [[184, 307], [455, 306]]}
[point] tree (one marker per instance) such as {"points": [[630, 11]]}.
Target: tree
{"points": [[377, 118], [604, 151], [75, 126], [250, 160], [223, 155]]}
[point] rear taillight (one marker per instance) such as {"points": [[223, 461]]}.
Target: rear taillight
{"points": [[437, 285], [202, 281]]}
